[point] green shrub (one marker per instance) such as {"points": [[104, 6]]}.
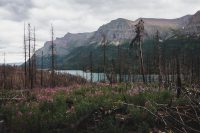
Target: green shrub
{"points": [[182, 101]]}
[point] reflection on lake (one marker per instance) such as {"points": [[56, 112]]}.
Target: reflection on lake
{"points": [[96, 77]]}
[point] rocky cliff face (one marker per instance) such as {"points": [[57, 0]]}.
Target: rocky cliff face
{"points": [[120, 30], [65, 44], [117, 30], [183, 21], [194, 24]]}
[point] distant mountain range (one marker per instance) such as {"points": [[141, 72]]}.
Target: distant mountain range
{"points": [[117, 32], [13, 64]]}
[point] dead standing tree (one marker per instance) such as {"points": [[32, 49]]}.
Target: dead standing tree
{"points": [[178, 72], [137, 42], [91, 67], [29, 50], [34, 57], [4, 71], [104, 43], [29, 55], [159, 58], [52, 58], [112, 71], [119, 63], [41, 72], [25, 72]]}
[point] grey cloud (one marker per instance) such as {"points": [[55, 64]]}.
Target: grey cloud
{"points": [[131, 9], [1, 47], [18, 9], [114, 5], [78, 16]]}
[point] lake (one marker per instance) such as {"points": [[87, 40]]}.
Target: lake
{"points": [[97, 77]]}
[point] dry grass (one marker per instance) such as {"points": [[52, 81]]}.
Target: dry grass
{"points": [[12, 77]]}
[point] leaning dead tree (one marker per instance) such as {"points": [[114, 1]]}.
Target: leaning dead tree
{"points": [[137, 43]]}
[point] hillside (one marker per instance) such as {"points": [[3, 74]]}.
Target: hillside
{"points": [[194, 24], [70, 48]]}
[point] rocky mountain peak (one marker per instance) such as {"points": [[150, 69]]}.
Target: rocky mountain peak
{"points": [[195, 18], [120, 21], [119, 30], [183, 21], [194, 24]]}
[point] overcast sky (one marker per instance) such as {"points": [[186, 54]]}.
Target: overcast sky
{"points": [[75, 16]]}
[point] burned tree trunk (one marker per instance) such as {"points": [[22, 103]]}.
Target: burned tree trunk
{"points": [[29, 52], [25, 72], [178, 84], [198, 68], [159, 58], [141, 61], [4, 72], [52, 58], [98, 74], [137, 42], [119, 64], [34, 58], [91, 67], [41, 72], [103, 43], [112, 72]]}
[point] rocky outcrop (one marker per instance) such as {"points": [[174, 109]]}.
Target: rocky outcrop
{"points": [[65, 44], [193, 26]]}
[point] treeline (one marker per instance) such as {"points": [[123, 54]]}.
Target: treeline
{"points": [[12, 77], [125, 60], [174, 58], [28, 76]]}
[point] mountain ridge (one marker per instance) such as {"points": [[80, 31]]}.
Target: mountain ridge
{"points": [[116, 32]]}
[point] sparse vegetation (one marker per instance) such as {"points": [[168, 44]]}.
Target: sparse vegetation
{"points": [[98, 108], [15, 80]]}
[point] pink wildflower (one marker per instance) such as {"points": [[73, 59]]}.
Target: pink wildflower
{"points": [[19, 114], [30, 113]]}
